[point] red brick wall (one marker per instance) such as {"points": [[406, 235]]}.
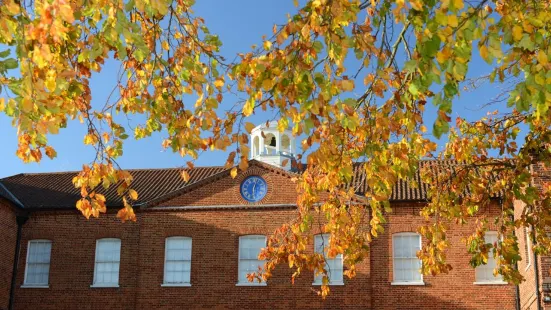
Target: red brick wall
{"points": [[8, 233], [72, 262], [447, 291], [215, 236], [527, 289]]}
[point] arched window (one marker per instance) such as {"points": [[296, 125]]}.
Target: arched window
{"points": [[270, 144], [37, 270], [249, 248], [286, 144], [334, 266], [177, 261], [406, 265], [256, 146]]}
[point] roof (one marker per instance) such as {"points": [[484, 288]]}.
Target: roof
{"points": [[56, 190]]}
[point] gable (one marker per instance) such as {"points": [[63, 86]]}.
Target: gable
{"points": [[223, 190]]}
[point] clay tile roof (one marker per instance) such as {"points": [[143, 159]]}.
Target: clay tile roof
{"points": [[56, 190]]}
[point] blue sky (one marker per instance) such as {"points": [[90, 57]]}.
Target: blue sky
{"points": [[240, 24]]}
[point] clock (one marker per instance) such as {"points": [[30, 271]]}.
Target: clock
{"points": [[253, 188]]}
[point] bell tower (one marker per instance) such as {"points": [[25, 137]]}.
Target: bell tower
{"points": [[270, 146]]}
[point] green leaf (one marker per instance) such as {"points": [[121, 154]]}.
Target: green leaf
{"points": [[4, 54], [317, 46], [10, 63], [411, 65]]}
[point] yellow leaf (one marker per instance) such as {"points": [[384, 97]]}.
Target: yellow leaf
{"points": [[233, 172], [267, 45], [267, 84], [219, 83], [2, 104], [441, 57], [458, 4], [185, 175], [452, 20], [542, 58], [249, 127], [166, 47], [50, 84], [483, 52], [347, 85], [27, 105], [66, 13], [248, 107], [517, 32], [133, 194]]}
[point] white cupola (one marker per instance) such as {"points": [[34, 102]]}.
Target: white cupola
{"points": [[270, 146]]}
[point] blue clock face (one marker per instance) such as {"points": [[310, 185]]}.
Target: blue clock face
{"points": [[253, 188]]}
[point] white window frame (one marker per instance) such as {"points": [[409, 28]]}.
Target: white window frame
{"points": [[498, 280], [528, 246], [339, 259], [106, 284], [26, 283], [394, 258], [183, 283], [246, 282]]}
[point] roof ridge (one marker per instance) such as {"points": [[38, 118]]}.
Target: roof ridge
{"points": [[131, 169]]}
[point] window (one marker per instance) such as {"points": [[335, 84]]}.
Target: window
{"points": [[405, 263], [37, 270], [484, 274], [249, 248], [177, 261], [334, 266], [528, 247], [108, 258]]}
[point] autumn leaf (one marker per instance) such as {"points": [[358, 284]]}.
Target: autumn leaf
{"points": [[133, 194], [50, 152], [249, 127], [233, 172], [185, 175]]}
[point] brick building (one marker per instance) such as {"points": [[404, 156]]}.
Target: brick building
{"points": [[193, 243]]}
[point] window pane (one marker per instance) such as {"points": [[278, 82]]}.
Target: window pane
{"points": [[334, 266], [406, 265], [249, 249], [107, 261], [485, 273], [177, 260], [38, 262]]}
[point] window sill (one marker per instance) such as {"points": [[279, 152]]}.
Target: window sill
{"points": [[176, 285], [407, 283], [330, 284], [34, 286], [251, 284], [490, 283], [104, 286]]}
